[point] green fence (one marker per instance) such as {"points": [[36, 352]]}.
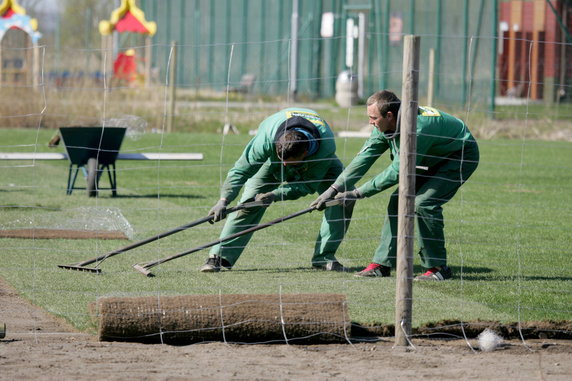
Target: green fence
{"points": [[254, 37]]}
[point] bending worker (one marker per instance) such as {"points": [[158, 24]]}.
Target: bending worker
{"points": [[448, 153], [291, 156]]}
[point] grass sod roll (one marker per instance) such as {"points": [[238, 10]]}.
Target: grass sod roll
{"points": [[237, 318]]}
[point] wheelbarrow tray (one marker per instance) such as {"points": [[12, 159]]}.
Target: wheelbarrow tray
{"points": [[84, 143], [94, 148]]}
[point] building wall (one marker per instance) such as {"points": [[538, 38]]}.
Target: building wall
{"points": [[535, 56]]}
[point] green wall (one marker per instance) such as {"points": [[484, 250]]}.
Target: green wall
{"points": [[258, 34]]}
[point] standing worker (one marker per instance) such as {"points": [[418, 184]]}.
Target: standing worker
{"points": [[447, 155], [292, 155]]}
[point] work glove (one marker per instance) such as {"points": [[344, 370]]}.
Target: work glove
{"points": [[265, 198], [349, 197], [218, 211], [320, 202]]}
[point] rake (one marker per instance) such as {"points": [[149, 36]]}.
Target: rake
{"points": [[80, 266], [145, 268]]}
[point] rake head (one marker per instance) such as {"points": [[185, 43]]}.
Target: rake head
{"points": [[80, 268], [143, 270]]}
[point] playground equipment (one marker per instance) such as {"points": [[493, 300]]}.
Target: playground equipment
{"points": [[127, 18], [14, 69]]}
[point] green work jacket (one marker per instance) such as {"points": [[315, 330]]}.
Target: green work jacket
{"points": [[439, 135], [295, 181]]}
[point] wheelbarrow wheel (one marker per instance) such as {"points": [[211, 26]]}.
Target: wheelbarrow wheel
{"points": [[92, 177]]}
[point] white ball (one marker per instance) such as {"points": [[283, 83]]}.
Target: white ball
{"points": [[489, 340]]}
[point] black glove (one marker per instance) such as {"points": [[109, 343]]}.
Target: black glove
{"points": [[219, 210], [320, 202], [349, 197], [266, 198]]}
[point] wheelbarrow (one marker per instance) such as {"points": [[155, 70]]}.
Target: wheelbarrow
{"points": [[94, 150]]}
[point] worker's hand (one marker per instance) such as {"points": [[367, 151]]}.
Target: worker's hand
{"points": [[219, 210], [266, 198], [320, 202], [349, 197]]}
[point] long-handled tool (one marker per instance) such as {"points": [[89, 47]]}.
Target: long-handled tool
{"points": [[80, 266], [144, 268]]}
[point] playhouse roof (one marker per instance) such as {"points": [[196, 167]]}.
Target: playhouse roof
{"points": [[127, 18], [12, 15], [9, 7]]}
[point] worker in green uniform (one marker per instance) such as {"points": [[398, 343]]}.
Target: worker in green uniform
{"points": [[447, 155], [292, 155]]}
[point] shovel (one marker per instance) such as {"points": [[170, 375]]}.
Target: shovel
{"points": [[80, 266]]}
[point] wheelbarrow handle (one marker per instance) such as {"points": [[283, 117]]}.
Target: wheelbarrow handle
{"points": [[144, 268], [202, 220]]}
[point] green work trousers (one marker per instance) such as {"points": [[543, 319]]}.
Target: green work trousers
{"points": [[334, 225], [432, 191]]}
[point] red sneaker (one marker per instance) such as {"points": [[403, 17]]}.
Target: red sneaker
{"points": [[374, 269], [435, 273]]}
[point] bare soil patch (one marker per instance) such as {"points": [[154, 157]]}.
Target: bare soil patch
{"points": [[39, 346], [61, 234]]}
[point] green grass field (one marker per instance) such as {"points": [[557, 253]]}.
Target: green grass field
{"points": [[508, 234]]}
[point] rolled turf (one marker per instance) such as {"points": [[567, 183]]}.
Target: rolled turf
{"points": [[292, 318]]}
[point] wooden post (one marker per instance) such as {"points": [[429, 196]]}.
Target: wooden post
{"points": [[147, 61], [1, 63], [111, 54], [107, 60], [28, 69], [431, 80], [172, 85], [36, 67], [406, 215]]}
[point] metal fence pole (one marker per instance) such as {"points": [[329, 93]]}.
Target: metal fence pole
{"points": [[406, 215], [294, 51], [493, 89], [172, 86], [431, 80]]}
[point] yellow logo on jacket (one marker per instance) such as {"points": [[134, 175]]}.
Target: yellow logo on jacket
{"points": [[314, 118], [429, 111]]}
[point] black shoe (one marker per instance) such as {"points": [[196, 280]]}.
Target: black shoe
{"points": [[214, 265], [330, 266]]}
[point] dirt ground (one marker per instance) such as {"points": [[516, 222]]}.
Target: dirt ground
{"points": [[38, 346]]}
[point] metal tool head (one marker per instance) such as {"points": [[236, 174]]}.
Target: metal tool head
{"points": [[80, 268], [143, 270]]}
